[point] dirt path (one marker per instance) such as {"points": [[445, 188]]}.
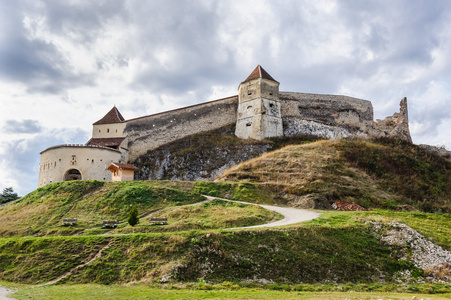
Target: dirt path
{"points": [[4, 292], [98, 254], [291, 215]]}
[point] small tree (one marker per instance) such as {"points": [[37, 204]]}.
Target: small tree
{"points": [[8, 195], [133, 218]]}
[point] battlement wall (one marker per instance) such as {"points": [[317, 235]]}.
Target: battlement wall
{"points": [[149, 132]]}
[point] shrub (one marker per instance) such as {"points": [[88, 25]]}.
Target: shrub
{"points": [[133, 218]]}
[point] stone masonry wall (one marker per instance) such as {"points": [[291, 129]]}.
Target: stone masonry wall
{"points": [[327, 109], [147, 133], [329, 116]]}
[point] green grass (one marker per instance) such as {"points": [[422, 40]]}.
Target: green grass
{"points": [[307, 254], [91, 202], [223, 291], [337, 247], [437, 227], [240, 191], [216, 214]]}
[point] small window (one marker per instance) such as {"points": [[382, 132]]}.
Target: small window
{"points": [[249, 92], [249, 107], [116, 130], [248, 124], [271, 105], [108, 130], [92, 161], [54, 165], [270, 94], [99, 130]]}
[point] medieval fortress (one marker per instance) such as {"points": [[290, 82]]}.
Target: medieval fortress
{"points": [[259, 110]]}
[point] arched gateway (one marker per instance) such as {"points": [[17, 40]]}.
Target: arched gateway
{"points": [[72, 174]]}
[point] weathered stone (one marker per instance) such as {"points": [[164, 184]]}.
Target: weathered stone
{"points": [[441, 151], [396, 126]]}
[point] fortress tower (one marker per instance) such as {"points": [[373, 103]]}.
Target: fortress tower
{"points": [[259, 111], [258, 115]]}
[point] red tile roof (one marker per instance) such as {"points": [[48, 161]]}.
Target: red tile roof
{"points": [[113, 116], [259, 72], [105, 142], [122, 166]]}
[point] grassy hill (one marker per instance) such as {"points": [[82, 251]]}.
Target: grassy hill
{"points": [[383, 173], [401, 182], [90, 202]]}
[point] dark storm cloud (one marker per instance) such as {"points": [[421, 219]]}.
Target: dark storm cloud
{"points": [[25, 126]]}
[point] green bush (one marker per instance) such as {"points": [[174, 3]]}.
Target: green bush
{"points": [[133, 218]]}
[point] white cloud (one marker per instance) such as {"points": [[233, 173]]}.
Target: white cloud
{"points": [[64, 64]]}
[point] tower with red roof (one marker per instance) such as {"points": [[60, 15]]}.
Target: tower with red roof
{"points": [[259, 114]]}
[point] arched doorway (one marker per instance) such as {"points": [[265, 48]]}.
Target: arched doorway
{"points": [[72, 174]]}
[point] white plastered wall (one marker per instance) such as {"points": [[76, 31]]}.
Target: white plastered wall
{"points": [[108, 130], [91, 162]]}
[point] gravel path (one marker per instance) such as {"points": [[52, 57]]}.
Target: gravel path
{"points": [[291, 215], [4, 293]]}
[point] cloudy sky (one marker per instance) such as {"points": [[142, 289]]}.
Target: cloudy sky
{"points": [[64, 64]]}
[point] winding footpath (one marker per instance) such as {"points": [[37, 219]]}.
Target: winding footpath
{"points": [[291, 215]]}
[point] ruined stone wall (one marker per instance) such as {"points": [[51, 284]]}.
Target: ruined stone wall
{"points": [[147, 133], [327, 116], [397, 125], [326, 109], [336, 117]]}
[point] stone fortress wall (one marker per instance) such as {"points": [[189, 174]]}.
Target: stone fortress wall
{"points": [[150, 132], [328, 116], [258, 106]]}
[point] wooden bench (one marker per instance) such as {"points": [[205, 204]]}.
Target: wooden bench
{"points": [[69, 221], [158, 220], [111, 224]]}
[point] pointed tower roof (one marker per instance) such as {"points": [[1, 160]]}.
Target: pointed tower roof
{"points": [[113, 116], [259, 72]]}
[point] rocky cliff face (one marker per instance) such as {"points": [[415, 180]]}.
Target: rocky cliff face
{"points": [[201, 156], [168, 164], [205, 155]]}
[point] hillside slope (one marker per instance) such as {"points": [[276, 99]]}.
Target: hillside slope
{"points": [[91, 202], [380, 173]]}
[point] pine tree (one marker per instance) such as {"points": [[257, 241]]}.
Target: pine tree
{"points": [[8, 195], [133, 218]]}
